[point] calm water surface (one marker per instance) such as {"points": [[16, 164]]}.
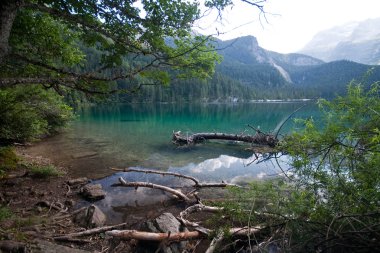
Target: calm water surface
{"points": [[139, 135]]}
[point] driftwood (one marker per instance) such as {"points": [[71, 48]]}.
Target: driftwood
{"points": [[196, 208], [181, 236], [259, 138], [93, 231], [176, 193], [196, 181], [150, 236]]}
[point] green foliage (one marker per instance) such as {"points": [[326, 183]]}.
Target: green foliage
{"points": [[5, 213], [50, 41], [31, 112], [340, 161], [8, 159], [330, 203], [43, 171]]}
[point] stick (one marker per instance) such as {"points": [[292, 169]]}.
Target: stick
{"points": [[149, 236], [196, 208], [159, 172], [89, 232], [180, 236], [215, 243], [153, 186]]}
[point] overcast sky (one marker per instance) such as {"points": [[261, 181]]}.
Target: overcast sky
{"points": [[289, 24]]}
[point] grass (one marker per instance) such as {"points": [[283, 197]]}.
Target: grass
{"points": [[44, 171]]}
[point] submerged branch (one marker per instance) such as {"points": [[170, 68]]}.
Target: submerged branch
{"points": [[259, 138]]}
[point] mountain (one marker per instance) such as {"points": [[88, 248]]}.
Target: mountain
{"points": [[245, 53], [249, 71], [355, 41]]}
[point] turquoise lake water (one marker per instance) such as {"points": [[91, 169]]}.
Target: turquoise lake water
{"points": [[139, 135]]}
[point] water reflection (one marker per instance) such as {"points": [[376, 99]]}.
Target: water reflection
{"points": [[123, 203], [235, 170]]}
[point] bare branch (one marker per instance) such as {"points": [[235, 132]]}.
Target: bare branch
{"points": [[176, 193]]}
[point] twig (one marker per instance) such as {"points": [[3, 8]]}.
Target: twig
{"points": [[196, 208], [215, 242], [90, 232]]}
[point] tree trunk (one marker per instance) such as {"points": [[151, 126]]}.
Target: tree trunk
{"points": [[258, 138], [8, 12]]}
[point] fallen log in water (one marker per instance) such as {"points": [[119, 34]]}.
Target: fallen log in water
{"points": [[259, 138]]}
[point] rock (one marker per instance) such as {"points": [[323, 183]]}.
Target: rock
{"points": [[12, 246], [69, 203], [79, 180], [90, 217], [162, 224], [93, 192], [48, 247]]}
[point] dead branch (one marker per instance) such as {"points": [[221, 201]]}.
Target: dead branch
{"points": [[89, 232], [196, 181], [176, 193], [159, 172], [180, 236], [259, 138], [215, 243], [194, 209], [150, 236]]}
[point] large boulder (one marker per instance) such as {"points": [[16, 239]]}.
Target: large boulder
{"points": [[164, 223], [90, 217]]}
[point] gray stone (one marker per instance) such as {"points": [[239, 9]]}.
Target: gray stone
{"points": [[90, 217], [47, 247], [12, 246], [93, 192], [164, 223]]}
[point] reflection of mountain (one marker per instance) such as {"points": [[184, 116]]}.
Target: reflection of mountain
{"points": [[356, 41]]}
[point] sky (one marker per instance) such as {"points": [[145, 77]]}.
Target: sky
{"points": [[288, 25]]}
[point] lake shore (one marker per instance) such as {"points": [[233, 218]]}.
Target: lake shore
{"points": [[36, 205]]}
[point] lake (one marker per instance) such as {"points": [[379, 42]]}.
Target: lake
{"points": [[125, 135], [139, 135]]}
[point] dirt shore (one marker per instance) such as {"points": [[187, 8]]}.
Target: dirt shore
{"points": [[34, 210]]}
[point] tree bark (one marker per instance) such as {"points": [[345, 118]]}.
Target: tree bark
{"points": [[8, 12], [258, 138]]}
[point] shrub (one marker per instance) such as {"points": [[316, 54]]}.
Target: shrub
{"points": [[30, 112]]}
